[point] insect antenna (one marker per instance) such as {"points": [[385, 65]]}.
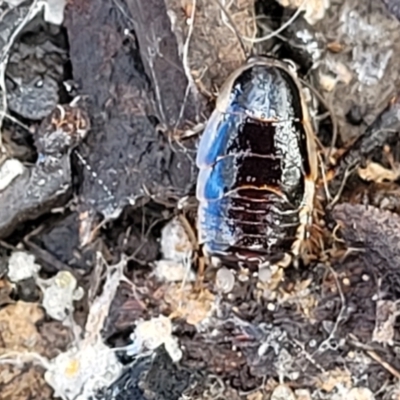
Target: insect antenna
{"points": [[236, 31]]}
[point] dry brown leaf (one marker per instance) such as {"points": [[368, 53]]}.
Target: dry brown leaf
{"points": [[255, 396], [269, 281], [300, 296], [327, 82], [18, 333], [5, 291], [23, 385], [386, 314], [377, 173], [17, 327], [303, 394], [330, 379], [193, 307], [214, 50]]}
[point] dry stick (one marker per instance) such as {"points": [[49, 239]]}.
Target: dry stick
{"points": [[375, 356], [19, 358], [279, 30], [185, 63], [324, 179], [339, 317], [5, 115], [309, 357], [347, 174], [193, 239], [331, 114], [233, 26]]}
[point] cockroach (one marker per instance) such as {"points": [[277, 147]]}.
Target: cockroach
{"points": [[257, 165]]}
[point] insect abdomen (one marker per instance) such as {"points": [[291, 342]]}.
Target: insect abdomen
{"points": [[253, 162]]}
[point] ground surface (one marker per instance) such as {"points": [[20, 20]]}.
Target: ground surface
{"points": [[101, 113]]}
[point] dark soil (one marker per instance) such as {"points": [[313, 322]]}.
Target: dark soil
{"points": [[122, 166]]}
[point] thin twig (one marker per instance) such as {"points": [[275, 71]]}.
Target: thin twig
{"points": [[185, 62], [233, 27], [347, 174], [19, 357], [339, 318], [279, 30], [375, 356], [324, 179], [331, 114]]}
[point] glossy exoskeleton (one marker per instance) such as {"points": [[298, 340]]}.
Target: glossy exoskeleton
{"points": [[258, 167]]}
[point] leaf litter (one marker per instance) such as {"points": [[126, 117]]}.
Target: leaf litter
{"points": [[139, 325]]}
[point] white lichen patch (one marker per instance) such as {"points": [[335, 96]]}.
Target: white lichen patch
{"points": [[175, 242], [172, 271], [89, 365], [82, 371], [177, 252], [149, 335], [59, 294], [21, 265]]}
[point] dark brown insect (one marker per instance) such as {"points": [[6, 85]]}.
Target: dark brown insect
{"points": [[258, 167]]}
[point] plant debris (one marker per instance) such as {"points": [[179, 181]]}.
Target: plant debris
{"points": [[105, 292]]}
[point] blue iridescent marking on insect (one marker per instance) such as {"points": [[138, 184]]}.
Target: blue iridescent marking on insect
{"points": [[216, 136], [254, 166]]}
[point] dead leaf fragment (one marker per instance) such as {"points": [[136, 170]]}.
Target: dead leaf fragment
{"points": [[329, 380], [255, 396], [17, 327], [5, 291], [303, 394], [377, 173], [18, 333], [386, 314], [360, 393], [214, 50], [193, 307]]}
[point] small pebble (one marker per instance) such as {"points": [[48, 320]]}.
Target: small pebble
{"points": [[360, 393], [265, 274], [9, 170], [283, 392], [312, 343], [303, 394], [225, 280], [271, 307]]}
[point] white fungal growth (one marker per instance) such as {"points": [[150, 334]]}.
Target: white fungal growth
{"points": [[175, 242], [177, 251], [81, 371], [21, 265], [149, 335], [59, 293]]}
